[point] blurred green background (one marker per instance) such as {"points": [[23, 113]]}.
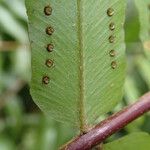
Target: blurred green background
{"points": [[22, 125]]}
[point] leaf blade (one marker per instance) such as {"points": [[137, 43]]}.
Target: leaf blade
{"points": [[138, 141], [143, 8], [82, 79]]}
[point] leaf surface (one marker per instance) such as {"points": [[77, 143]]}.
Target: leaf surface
{"points": [[143, 67], [85, 82], [144, 19], [134, 141]]}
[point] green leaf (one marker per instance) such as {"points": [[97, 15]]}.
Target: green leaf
{"points": [[6, 144], [12, 26], [14, 112], [135, 141], [46, 135], [131, 90], [1, 61], [143, 67], [83, 85], [132, 94], [144, 13], [23, 69], [131, 24], [17, 7]]}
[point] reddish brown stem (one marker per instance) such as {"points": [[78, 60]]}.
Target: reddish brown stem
{"points": [[110, 126]]}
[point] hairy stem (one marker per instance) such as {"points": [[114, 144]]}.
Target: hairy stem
{"points": [[81, 70], [110, 126]]}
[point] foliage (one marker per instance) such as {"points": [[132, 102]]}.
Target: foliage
{"points": [[83, 85], [138, 141], [22, 125]]}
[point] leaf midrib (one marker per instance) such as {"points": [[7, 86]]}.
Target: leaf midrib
{"points": [[82, 118]]}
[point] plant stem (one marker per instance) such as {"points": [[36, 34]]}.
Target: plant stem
{"points": [[110, 126], [11, 45]]}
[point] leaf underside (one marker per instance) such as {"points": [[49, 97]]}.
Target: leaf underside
{"points": [[83, 85], [134, 141]]}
